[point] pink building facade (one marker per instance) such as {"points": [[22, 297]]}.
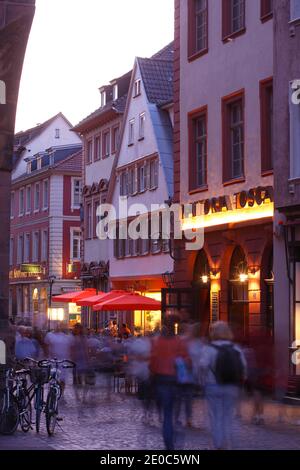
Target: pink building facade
{"points": [[45, 241], [223, 160]]}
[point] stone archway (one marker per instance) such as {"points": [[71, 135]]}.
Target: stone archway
{"points": [[15, 24]]}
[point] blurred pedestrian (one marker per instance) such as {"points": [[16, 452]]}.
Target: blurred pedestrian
{"points": [[25, 346], [166, 348], [58, 346], [224, 369], [186, 389]]}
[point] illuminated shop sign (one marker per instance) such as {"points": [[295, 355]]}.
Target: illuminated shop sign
{"points": [[253, 197], [256, 203], [31, 268]]}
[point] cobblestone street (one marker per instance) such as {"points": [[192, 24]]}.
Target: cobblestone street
{"points": [[115, 422]]}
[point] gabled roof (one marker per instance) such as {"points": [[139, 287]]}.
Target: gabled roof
{"points": [[64, 159], [23, 137], [157, 78], [157, 75]]}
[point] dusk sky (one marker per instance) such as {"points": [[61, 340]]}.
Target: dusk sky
{"points": [[76, 46]]}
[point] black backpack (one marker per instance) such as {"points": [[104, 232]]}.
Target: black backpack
{"points": [[229, 368]]}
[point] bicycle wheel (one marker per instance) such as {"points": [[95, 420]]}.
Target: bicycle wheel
{"points": [[9, 414], [51, 411], [25, 411], [38, 409]]}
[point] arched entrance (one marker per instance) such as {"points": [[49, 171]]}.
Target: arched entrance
{"points": [[238, 308], [201, 280]]}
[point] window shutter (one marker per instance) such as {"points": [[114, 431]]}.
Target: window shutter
{"points": [[146, 175], [116, 243], [135, 180]]}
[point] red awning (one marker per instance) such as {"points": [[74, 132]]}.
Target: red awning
{"points": [[96, 299], [128, 302], [71, 297], [112, 295]]}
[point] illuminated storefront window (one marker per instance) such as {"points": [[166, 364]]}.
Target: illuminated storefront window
{"points": [[146, 322]]}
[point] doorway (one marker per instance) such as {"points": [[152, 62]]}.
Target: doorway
{"points": [[238, 305]]}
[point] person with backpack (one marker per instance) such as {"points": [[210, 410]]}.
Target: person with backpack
{"points": [[223, 367]]}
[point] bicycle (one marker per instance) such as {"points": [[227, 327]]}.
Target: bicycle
{"points": [[23, 397], [9, 410], [55, 391], [39, 378]]}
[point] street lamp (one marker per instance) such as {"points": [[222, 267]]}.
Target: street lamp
{"points": [[51, 280], [168, 279]]}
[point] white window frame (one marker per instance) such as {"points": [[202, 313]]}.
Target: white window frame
{"points": [[132, 180], [89, 151], [45, 243], [72, 238], [115, 92], [45, 206], [27, 242], [142, 121], [103, 98], [153, 184], [57, 133], [35, 246], [97, 148], [137, 87], [28, 209], [21, 206], [35, 205], [131, 132], [124, 187], [73, 205], [106, 143], [115, 142], [141, 187]]}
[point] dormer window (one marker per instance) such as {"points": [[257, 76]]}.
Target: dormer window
{"points": [[39, 163], [137, 87], [28, 168], [103, 98], [115, 92], [57, 133]]}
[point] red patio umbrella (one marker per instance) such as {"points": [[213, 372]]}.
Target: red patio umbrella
{"points": [[128, 302], [96, 299], [71, 297]]}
